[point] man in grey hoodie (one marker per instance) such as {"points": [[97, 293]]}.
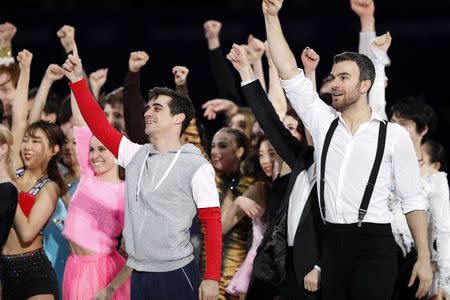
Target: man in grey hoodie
{"points": [[166, 184]]}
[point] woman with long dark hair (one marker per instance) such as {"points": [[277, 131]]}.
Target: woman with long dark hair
{"points": [[26, 270]]}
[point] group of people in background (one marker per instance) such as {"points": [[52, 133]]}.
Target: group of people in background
{"points": [[311, 189]]}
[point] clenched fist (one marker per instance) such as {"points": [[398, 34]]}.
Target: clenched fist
{"points": [[97, 80], [7, 32], [24, 58], [212, 29], [67, 37], [271, 7], [54, 72], [238, 57], [137, 60], [383, 42], [310, 59], [255, 49], [363, 8], [181, 74]]}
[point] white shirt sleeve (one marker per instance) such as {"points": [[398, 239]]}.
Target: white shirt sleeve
{"points": [[365, 38], [127, 150], [204, 190], [380, 59], [314, 113], [406, 172], [440, 217]]}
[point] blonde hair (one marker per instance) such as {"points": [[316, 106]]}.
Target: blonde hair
{"points": [[7, 138]]}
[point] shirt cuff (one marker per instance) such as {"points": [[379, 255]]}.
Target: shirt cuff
{"points": [[318, 268], [413, 204], [245, 82], [292, 82]]}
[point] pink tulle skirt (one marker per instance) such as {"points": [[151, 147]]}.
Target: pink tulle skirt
{"points": [[84, 276]]}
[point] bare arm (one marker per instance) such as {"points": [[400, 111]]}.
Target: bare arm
{"points": [[97, 80], [28, 228], [19, 111], [53, 73], [255, 51], [275, 93], [310, 60], [422, 268], [282, 55], [108, 292]]}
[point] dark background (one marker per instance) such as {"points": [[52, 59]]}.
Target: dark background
{"points": [[171, 32]]}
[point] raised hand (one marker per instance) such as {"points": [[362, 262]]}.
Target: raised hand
{"points": [[73, 68], [24, 58], [363, 8], [7, 32], [180, 74], [255, 49], [310, 59], [215, 106], [137, 60], [212, 29], [54, 72], [67, 37], [238, 57], [271, 7], [97, 79], [382, 42]]}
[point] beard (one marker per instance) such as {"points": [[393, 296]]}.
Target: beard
{"points": [[348, 99]]}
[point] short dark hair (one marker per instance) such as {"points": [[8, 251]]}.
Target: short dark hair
{"points": [[13, 71], [52, 104], [437, 154], [65, 111], [416, 109], [179, 104], [365, 65], [115, 97]]}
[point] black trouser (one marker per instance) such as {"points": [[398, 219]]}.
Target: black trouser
{"points": [[180, 284], [358, 262], [405, 267], [292, 290]]}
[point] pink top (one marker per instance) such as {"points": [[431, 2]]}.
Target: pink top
{"points": [[96, 212]]}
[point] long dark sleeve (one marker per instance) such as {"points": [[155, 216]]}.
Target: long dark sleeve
{"points": [[8, 207], [223, 76], [133, 108], [286, 145]]}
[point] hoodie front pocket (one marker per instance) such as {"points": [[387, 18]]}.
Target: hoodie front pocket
{"points": [[153, 239]]}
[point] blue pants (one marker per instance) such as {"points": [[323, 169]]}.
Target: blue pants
{"points": [[180, 284]]}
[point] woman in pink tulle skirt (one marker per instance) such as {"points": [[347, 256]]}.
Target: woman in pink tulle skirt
{"points": [[94, 222]]}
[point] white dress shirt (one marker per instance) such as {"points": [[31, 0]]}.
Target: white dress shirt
{"points": [[436, 192], [350, 159], [297, 200], [380, 59]]}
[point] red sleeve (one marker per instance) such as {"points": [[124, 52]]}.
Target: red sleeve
{"points": [[210, 219], [95, 118]]}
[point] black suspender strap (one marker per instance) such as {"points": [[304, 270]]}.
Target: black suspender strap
{"points": [[323, 159], [374, 173]]}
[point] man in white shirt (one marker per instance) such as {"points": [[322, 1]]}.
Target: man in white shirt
{"points": [[359, 255]]}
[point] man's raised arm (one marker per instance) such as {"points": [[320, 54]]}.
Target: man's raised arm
{"points": [[282, 55], [89, 108]]}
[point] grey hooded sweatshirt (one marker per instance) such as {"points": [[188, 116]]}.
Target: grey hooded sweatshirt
{"points": [[159, 209]]}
